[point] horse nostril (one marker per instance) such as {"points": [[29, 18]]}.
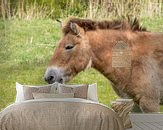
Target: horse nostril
{"points": [[61, 80], [50, 78]]}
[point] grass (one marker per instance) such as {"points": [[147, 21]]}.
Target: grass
{"points": [[26, 48]]}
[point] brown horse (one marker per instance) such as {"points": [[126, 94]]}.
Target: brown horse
{"points": [[137, 74]]}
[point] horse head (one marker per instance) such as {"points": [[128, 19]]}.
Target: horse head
{"points": [[71, 56]]}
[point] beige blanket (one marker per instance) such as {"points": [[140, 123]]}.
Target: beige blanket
{"points": [[59, 114]]}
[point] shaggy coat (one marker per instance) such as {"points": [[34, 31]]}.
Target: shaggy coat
{"points": [[87, 43]]}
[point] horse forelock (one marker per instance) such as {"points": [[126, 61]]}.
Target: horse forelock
{"points": [[89, 25]]}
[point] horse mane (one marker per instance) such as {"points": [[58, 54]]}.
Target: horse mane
{"points": [[89, 25]]}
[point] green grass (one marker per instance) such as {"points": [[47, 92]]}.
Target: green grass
{"points": [[26, 48]]}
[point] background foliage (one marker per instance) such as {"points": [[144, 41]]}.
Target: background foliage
{"points": [[29, 9]]}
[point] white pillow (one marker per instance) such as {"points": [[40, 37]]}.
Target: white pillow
{"points": [[19, 93], [92, 92], [22, 89]]}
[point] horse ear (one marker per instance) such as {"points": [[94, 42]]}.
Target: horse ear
{"points": [[74, 27]]}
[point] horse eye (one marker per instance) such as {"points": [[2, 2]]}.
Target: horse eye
{"points": [[68, 47]]}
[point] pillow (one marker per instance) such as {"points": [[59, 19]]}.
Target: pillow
{"points": [[80, 91], [52, 95], [91, 92], [24, 92]]}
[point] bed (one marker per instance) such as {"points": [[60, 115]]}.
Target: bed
{"points": [[63, 107], [59, 114]]}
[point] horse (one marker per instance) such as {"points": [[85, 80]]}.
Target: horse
{"points": [[127, 54]]}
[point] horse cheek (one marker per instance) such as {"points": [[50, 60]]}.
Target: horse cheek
{"points": [[80, 64]]}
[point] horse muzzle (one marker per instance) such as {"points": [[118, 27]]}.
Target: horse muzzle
{"points": [[54, 74]]}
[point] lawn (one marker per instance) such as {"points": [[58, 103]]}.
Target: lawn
{"points": [[27, 46]]}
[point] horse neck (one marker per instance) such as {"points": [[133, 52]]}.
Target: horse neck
{"points": [[101, 42]]}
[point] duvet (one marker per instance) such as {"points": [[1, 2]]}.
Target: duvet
{"points": [[59, 114]]}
